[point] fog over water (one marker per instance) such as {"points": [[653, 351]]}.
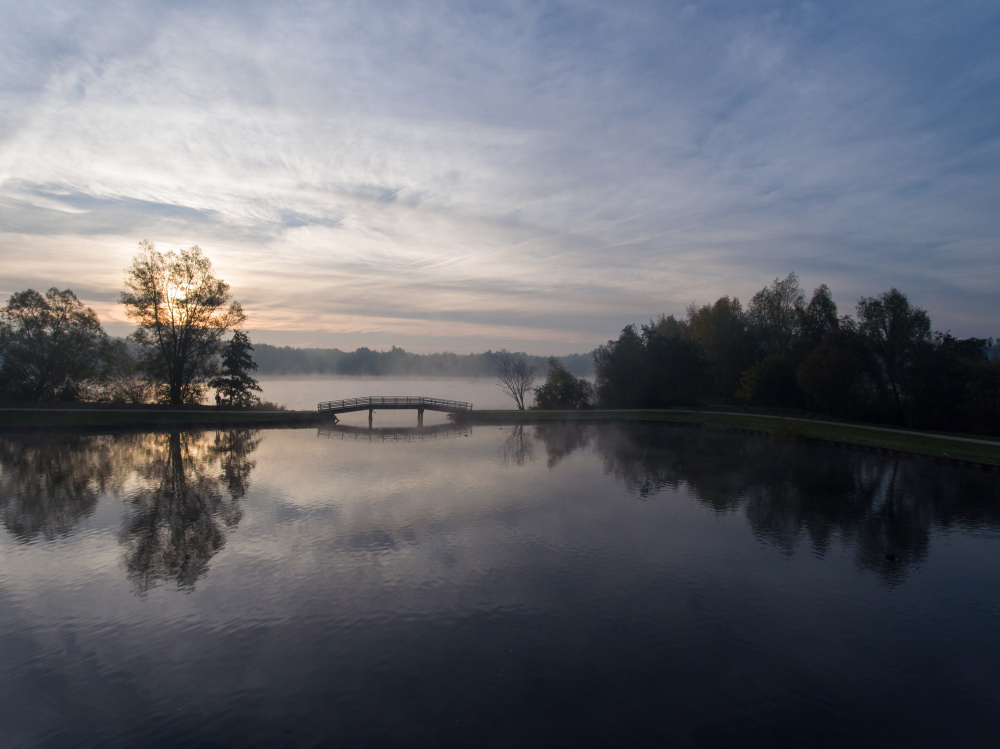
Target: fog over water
{"points": [[492, 586], [303, 393]]}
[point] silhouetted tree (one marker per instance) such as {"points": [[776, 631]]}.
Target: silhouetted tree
{"points": [[895, 330], [515, 377], [182, 311], [234, 384], [836, 375], [50, 346], [673, 371], [815, 320], [721, 334], [620, 371], [948, 386], [772, 315], [769, 382], [561, 390]]}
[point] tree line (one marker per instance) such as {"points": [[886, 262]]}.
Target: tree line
{"points": [[53, 348], [884, 364]]}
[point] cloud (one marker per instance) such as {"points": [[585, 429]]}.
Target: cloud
{"points": [[540, 173]]}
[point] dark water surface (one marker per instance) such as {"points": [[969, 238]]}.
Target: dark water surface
{"points": [[550, 586]]}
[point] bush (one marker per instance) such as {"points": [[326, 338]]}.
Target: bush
{"points": [[563, 391]]}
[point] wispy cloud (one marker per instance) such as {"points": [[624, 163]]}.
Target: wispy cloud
{"points": [[537, 175]]}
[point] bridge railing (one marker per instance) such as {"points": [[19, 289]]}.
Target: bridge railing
{"points": [[373, 401]]}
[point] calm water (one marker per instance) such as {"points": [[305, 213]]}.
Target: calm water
{"points": [[558, 586]]}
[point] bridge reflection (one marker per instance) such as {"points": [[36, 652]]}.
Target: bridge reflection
{"points": [[394, 434]]}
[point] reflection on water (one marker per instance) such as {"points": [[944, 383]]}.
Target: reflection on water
{"points": [[560, 584], [177, 516], [883, 507], [49, 485], [517, 448], [177, 522], [177, 519], [394, 434]]}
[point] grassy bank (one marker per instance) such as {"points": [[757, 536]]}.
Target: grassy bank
{"points": [[42, 418], [930, 444]]}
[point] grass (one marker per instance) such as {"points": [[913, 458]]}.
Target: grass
{"points": [[50, 417], [925, 444]]}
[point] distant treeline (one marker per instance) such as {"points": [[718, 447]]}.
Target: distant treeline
{"points": [[285, 360], [882, 365]]}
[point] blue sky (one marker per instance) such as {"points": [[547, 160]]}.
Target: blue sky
{"points": [[459, 176]]}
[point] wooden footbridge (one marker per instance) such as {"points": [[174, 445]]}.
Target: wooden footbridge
{"points": [[369, 403]]}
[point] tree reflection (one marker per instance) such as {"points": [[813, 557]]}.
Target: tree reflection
{"points": [[178, 522], [189, 487], [884, 508], [517, 448], [48, 486], [563, 439], [233, 447]]}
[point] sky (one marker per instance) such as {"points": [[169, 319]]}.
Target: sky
{"points": [[530, 175]]}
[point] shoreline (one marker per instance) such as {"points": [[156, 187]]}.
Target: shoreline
{"points": [[48, 417], [970, 451], [957, 449]]}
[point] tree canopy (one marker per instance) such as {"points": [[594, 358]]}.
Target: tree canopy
{"points": [[50, 346], [182, 311], [561, 390]]}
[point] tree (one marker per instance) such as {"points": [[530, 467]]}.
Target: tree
{"points": [[562, 390], [235, 385], [182, 311], [673, 365], [772, 314], [895, 330], [620, 371], [835, 375], [49, 346], [816, 319], [769, 382], [514, 375], [721, 334]]}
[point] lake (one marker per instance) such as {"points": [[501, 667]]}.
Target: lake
{"points": [[559, 585]]}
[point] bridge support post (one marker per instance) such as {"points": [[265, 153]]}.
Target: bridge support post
{"points": [[371, 412], [420, 417]]}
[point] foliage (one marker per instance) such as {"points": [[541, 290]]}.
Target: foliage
{"points": [[895, 330], [182, 311], [950, 384], [816, 319], [772, 315], [657, 368], [619, 368], [50, 346], [721, 334], [514, 376], [769, 382], [562, 390], [836, 375], [235, 385]]}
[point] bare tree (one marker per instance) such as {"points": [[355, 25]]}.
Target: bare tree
{"points": [[514, 375]]}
